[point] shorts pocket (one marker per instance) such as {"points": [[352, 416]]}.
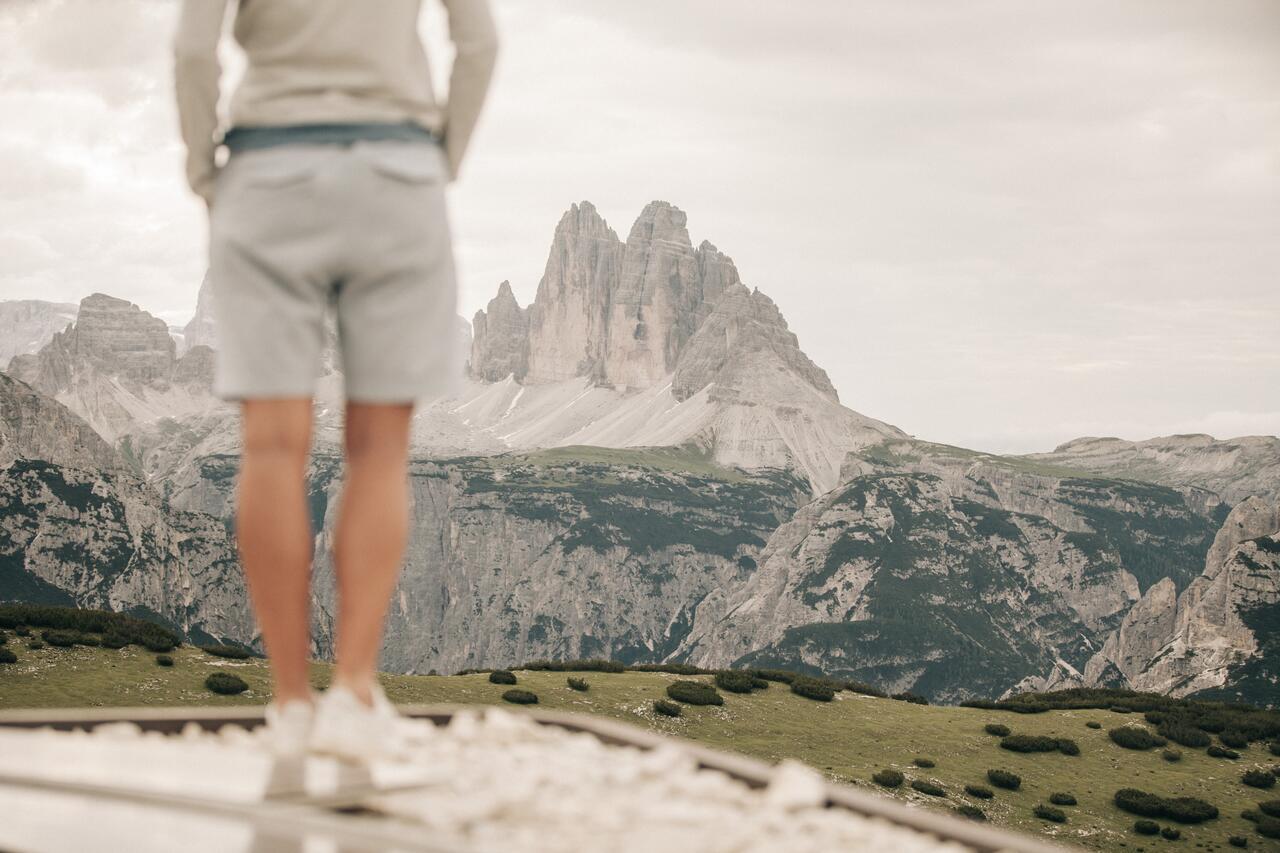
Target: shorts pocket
{"points": [[415, 163], [274, 168]]}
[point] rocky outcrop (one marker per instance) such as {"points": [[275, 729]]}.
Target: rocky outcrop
{"points": [[1216, 628], [199, 331], [77, 528], [26, 325], [1234, 468], [500, 340], [117, 367]]}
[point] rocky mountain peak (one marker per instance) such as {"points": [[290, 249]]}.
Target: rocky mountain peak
{"points": [[582, 219], [500, 342], [118, 336]]}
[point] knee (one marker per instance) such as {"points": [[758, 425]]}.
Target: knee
{"points": [[278, 442]]}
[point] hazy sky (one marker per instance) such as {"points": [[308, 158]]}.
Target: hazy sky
{"points": [[995, 223]]}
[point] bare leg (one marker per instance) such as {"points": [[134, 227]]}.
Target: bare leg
{"points": [[274, 534], [369, 542]]}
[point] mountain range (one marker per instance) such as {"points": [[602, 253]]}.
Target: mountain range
{"points": [[643, 464]]}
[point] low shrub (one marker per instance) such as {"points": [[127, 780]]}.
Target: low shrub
{"points": [[61, 639], [1136, 737], [1235, 740], [694, 693], [931, 788], [225, 683], [1189, 810], [864, 689], [35, 644], [1061, 799], [24, 631], [502, 676], [1268, 827], [1050, 813], [782, 676], [665, 708], [1170, 833], [670, 668], [908, 696], [1210, 723], [1274, 747], [1270, 808], [1259, 778], [1171, 755], [1068, 747], [971, 812], [578, 684], [1094, 724], [997, 729], [1004, 779], [1146, 827], [1238, 841], [7, 656], [225, 650], [592, 665], [812, 688], [888, 778], [520, 697], [1184, 735], [88, 640], [1120, 709], [1137, 802], [1155, 718], [77, 621], [926, 763], [736, 681], [164, 660], [1029, 743], [114, 641], [980, 791], [1216, 751]]}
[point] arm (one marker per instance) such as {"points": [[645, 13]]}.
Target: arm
{"points": [[476, 43], [196, 74]]}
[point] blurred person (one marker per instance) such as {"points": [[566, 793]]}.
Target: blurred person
{"points": [[330, 198]]}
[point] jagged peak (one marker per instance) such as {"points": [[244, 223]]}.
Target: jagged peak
{"points": [[584, 218], [661, 220]]}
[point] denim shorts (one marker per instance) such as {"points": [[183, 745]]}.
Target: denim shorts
{"points": [[359, 230]]}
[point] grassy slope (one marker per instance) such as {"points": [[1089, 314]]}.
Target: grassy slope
{"points": [[847, 739]]}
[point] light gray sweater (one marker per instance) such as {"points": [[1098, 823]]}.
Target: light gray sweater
{"points": [[327, 61]]}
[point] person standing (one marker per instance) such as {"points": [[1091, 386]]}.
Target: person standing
{"points": [[330, 199]]}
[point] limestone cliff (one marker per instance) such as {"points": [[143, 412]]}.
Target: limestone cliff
{"points": [[26, 325]]}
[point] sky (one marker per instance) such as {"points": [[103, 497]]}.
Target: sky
{"points": [[995, 224]]}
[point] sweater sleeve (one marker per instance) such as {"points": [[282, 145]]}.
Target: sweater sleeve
{"points": [[475, 41], [196, 79]]}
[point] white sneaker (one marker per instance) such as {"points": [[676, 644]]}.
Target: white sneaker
{"points": [[288, 728], [347, 728]]}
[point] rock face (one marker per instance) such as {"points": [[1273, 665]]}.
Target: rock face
{"points": [[199, 331], [500, 342], [906, 581], [1218, 634], [1234, 468], [117, 367], [26, 325], [77, 528]]}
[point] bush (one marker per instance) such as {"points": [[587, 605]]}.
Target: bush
{"points": [[694, 693], [979, 791], [7, 656], [1136, 737], [1189, 810], [592, 665], [864, 689], [578, 684], [225, 683], [782, 676], [1138, 802], [1029, 743], [888, 778], [1271, 808], [665, 708], [24, 631], [1171, 755], [1061, 799], [997, 729], [1120, 709], [1170, 833], [1238, 841], [671, 668], [1050, 813], [1094, 724], [35, 644], [1216, 751], [114, 641], [1259, 779], [1268, 827], [926, 763], [77, 621], [812, 688], [1275, 747], [88, 640], [1068, 747], [164, 660], [933, 789], [736, 681], [61, 639], [1146, 827], [1235, 740], [1184, 735], [971, 812], [520, 697], [502, 676], [908, 696], [1004, 779], [223, 650]]}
